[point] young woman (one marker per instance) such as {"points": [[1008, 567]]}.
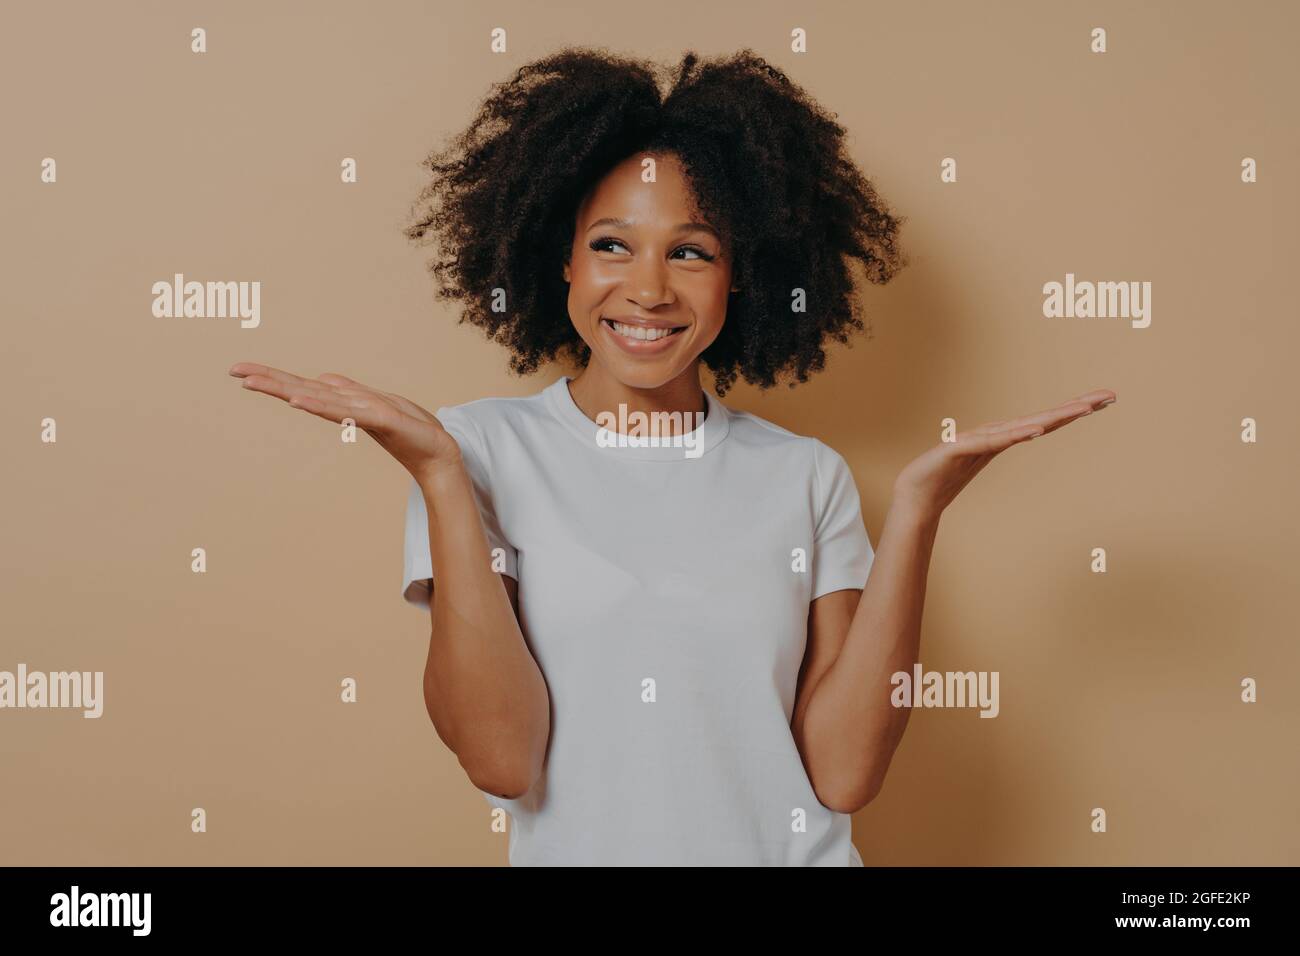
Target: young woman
{"points": [[654, 646]]}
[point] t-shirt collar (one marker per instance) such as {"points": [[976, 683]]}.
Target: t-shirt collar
{"points": [[686, 447]]}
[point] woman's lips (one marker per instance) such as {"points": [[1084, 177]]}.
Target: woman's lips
{"points": [[639, 346]]}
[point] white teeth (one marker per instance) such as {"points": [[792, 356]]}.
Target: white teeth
{"points": [[639, 332]]}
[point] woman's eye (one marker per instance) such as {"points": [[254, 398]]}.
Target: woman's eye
{"points": [[605, 244], [600, 245]]}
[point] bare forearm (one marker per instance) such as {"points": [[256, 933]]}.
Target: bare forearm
{"points": [[484, 692], [851, 728]]}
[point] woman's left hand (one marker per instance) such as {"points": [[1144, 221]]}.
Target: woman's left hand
{"points": [[930, 483]]}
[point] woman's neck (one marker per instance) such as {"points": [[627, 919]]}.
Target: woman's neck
{"points": [[595, 391]]}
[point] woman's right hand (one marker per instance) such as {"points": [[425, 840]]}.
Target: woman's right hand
{"points": [[406, 431]]}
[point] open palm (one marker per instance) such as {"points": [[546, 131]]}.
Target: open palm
{"points": [[409, 433], [932, 481]]}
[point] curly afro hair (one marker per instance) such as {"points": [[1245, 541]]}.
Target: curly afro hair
{"points": [[767, 166]]}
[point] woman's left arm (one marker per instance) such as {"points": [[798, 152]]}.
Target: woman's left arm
{"points": [[844, 723]]}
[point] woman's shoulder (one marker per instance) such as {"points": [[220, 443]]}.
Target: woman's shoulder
{"points": [[491, 412], [756, 430], [823, 464]]}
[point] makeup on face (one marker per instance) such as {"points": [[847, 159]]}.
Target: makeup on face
{"points": [[648, 280]]}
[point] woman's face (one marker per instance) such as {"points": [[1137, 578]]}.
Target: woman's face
{"points": [[648, 282]]}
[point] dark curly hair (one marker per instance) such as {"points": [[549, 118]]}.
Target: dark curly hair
{"points": [[767, 166]]}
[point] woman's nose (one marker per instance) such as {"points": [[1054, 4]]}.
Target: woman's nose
{"points": [[648, 285]]}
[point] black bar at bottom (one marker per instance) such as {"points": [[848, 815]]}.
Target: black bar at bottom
{"points": [[307, 904]]}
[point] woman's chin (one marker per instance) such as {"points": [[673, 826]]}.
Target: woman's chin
{"points": [[645, 373]]}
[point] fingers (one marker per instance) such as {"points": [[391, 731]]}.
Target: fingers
{"points": [[992, 442], [294, 386], [369, 415], [320, 398], [984, 448], [1092, 401], [244, 369], [993, 437], [335, 379], [273, 380], [1096, 397], [1053, 418], [334, 410], [1047, 421], [326, 383], [409, 407], [285, 385]]}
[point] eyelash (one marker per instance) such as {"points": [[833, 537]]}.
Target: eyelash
{"points": [[596, 244]]}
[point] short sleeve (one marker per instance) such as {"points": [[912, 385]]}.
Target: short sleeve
{"points": [[417, 573], [842, 552]]}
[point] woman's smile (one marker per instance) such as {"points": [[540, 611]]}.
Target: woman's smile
{"points": [[638, 337]]}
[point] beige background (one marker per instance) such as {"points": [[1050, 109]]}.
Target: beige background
{"points": [[222, 689]]}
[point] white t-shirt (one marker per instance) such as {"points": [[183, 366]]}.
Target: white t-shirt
{"points": [[664, 599]]}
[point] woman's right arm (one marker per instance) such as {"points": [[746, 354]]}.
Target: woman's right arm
{"points": [[484, 692], [483, 689]]}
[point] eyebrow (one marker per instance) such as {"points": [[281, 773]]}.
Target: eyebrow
{"points": [[681, 227]]}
